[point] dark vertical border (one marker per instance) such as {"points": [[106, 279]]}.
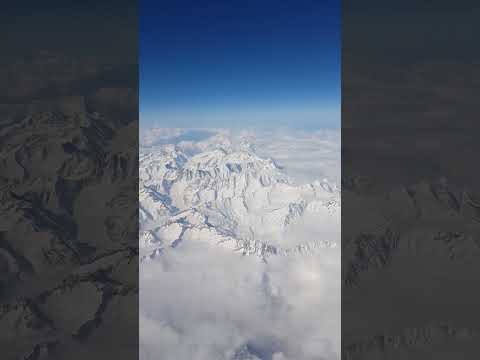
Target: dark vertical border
{"points": [[410, 199], [69, 180]]}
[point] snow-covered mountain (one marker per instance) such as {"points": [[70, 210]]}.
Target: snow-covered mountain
{"points": [[227, 195], [206, 198]]}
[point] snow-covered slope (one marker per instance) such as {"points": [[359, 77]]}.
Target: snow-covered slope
{"points": [[229, 196]]}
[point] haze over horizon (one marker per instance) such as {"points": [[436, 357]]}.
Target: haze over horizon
{"points": [[231, 65]]}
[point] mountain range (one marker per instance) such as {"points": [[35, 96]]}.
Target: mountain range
{"points": [[229, 196]]}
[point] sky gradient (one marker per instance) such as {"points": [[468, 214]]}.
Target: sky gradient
{"points": [[240, 63]]}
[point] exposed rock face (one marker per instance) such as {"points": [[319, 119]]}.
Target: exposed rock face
{"points": [[69, 225]]}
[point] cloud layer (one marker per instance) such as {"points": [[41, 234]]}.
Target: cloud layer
{"points": [[204, 303]]}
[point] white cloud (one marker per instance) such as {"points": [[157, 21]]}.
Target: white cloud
{"points": [[200, 302], [306, 156]]}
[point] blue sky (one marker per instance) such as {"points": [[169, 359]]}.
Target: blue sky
{"points": [[240, 63]]}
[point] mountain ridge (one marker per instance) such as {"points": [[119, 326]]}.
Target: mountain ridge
{"points": [[230, 196]]}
